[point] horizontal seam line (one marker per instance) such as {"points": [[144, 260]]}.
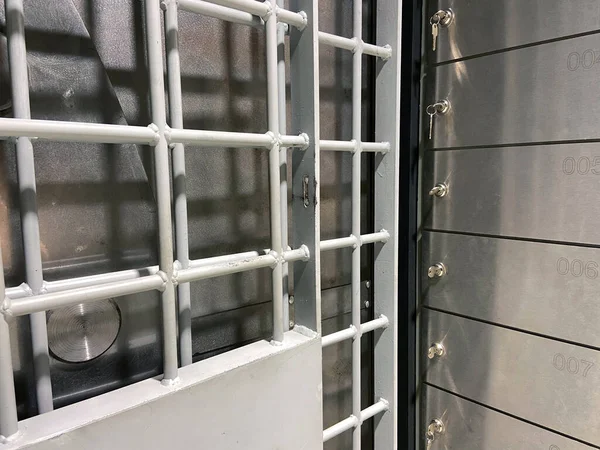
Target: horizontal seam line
{"points": [[513, 238], [513, 416], [515, 47]]}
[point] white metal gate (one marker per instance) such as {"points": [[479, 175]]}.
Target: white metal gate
{"points": [[232, 400]]}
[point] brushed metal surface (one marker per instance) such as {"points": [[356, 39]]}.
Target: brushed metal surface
{"points": [[543, 288], [547, 382], [492, 25], [541, 192], [470, 426], [533, 94], [82, 332]]}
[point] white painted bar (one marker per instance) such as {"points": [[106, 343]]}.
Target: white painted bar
{"points": [[220, 12], [44, 302], [340, 427], [57, 130]]}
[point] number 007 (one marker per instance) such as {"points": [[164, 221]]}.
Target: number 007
{"points": [[572, 365]]}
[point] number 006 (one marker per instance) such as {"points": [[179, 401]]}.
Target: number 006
{"points": [[577, 268]]}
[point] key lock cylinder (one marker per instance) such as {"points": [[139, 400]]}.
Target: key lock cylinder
{"points": [[441, 19], [435, 429]]}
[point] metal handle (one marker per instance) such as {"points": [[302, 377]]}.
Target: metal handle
{"points": [[436, 349], [439, 190]]}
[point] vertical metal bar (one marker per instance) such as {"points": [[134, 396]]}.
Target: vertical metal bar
{"points": [[179, 180], [387, 128], [163, 191], [9, 424], [356, 185], [281, 27], [15, 26], [274, 178], [306, 226]]}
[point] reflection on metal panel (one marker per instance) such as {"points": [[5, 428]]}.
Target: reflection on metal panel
{"points": [[469, 426], [540, 192], [542, 93], [492, 25], [550, 383], [543, 288]]}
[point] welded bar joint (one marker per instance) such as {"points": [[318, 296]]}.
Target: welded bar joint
{"points": [[44, 302], [350, 333], [236, 263], [352, 421]]}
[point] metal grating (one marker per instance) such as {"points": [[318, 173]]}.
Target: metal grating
{"points": [[173, 276]]}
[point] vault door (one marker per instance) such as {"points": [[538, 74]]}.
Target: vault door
{"points": [[510, 225]]}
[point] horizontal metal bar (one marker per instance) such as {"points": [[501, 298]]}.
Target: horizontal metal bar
{"points": [[77, 131], [352, 421], [23, 291], [340, 427], [333, 244], [371, 238], [350, 332], [201, 269], [337, 41], [220, 12], [380, 147], [333, 40], [375, 324], [338, 336], [225, 268], [301, 140], [80, 282], [384, 52], [297, 20], [258, 8], [44, 302], [381, 406], [351, 241], [299, 254], [352, 146], [338, 146], [206, 138], [218, 138]]}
